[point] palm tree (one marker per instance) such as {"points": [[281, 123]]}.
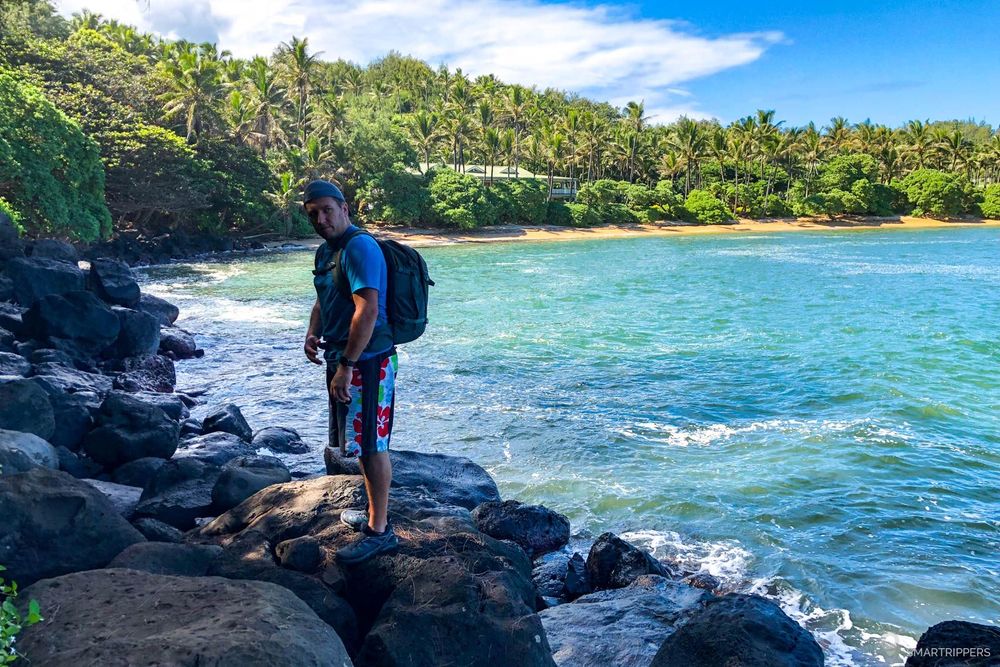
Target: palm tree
{"points": [[491, 148], [286, 197], [299, 66], [689, 143], [195, 90], [838, 134], [516, 106], [954, 148], [572, 126], [423, 127], [635, 120], [920, 142], [554, 145], [266, 102]]}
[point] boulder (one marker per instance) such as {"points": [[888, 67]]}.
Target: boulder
{"points": [[53, 249], [450, 480], [124, 498], [179, 493], [47, 355], [535, 528], [14, 364], [64, 379], [739, 629], [171, 404], [10, 241], [165, 312], [20, 452], [703, 580], [244, 476], [127, 617], [77, 323], [24, 406], [37, 277], [150, 373], [7, 340], [129, 429], [6, 288], [72, 413], [561, 577], [157, 531], [625, 626], [280, 440], [228, 419], [249, 556], [139, 333], [614, 563], [182, 560], [953, 643], [81, 467], [484, 601], [113, 281], [138, 472], [177, 342], [215, 448], [12, 321], [55, 524], [303, 554], [191, 427]]}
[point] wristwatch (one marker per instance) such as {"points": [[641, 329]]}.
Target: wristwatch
{"points": [[344, 361]]}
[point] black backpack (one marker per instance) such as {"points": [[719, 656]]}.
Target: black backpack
{"points": [[406, 294]]}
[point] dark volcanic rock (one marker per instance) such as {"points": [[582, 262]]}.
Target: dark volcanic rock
{"points": [[77, 323], [614, 563], [157, 531], [280, 440], [450, 480], [562, 577], [138, 472], [139, 335], [179, 493], [622, 627], [10, 242], [182, 560], [244, 476], [739, 629], [62, 378], [12, 321], [72, 412], [215, 448], [299, 553], [191, 427], [447, 581], [54, 524], [129, 429], [150, 373], [165, 312], [124, 498], [6, 340], [171, 404], [81, 467], [48, 355], [24, 406], [228, 419], [20, 452], [6, 288], [53, 249], [127, 617], [535, 528], [954, 643], [14, 364], [177, 342], [113, 281], [36, 277]]}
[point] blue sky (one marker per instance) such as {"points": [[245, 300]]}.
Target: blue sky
{"points": [[887, 61]]}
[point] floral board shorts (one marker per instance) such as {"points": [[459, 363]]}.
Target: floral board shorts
{"points": [[364, 426]]}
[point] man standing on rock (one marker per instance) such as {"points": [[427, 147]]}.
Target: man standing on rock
{"points": [[350, 316]]}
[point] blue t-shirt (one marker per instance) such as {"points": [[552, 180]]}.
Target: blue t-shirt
{"points": [[363, 266]]}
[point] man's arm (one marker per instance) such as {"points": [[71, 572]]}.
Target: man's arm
{"points": [[362, 327], [312, 335]]}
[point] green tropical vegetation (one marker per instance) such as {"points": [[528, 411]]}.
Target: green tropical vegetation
{"points": [[104, 130], [12, 621]]}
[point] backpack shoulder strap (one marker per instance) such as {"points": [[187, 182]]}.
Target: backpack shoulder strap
{"points": [[338, 271]]}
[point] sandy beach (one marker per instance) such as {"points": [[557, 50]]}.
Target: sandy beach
{"points": [[510, 233]]}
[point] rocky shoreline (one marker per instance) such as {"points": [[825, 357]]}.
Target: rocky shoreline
{"points": [[148, 537]]}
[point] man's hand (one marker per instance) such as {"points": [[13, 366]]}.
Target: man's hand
{"points": [[340, 384], [311, 349]]}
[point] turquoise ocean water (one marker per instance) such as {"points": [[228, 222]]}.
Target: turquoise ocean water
{"points": [[811, 416]]}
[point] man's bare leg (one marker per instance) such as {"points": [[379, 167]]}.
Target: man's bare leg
{"points": [[377, 471]]}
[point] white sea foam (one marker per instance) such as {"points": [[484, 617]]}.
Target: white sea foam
{"points": [[708, 434]]}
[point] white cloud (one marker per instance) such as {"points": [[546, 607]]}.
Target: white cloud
{"points": [[598, 51]]}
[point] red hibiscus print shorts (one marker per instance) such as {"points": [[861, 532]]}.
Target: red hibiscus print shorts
{"points": [[364, 426]]}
